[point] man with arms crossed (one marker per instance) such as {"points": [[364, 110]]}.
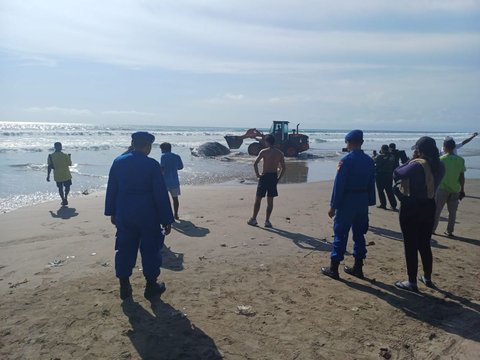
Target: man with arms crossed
{"points": [[267, 183]]}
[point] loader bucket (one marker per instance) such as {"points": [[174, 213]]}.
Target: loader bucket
{"points": [[234, 141]]}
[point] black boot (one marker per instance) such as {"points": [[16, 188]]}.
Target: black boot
{"points": [[332, 270], [154, 289], [356, 270], [125, 288]]}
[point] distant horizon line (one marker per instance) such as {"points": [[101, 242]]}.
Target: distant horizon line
{"points": [[229, 127]]}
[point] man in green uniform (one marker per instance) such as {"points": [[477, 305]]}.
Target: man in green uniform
{"points": [[384, 166], [59, 162], [451, 189]]}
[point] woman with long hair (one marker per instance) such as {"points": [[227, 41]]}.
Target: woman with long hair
{"points": [[420, 178]]}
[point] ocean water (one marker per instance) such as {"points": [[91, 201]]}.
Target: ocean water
{"points": [[24, 148]]}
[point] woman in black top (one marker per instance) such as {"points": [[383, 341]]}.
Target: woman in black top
{"points": [[420, 180]]}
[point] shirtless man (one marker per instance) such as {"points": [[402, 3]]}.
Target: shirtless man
{"points": [[267, 183]]}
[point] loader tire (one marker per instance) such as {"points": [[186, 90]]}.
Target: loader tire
{"points": [[254, 148]]}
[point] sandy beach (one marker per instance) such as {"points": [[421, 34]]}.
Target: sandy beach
{"points": [[60, 297]]}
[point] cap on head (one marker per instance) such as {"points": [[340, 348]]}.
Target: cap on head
{"points": [[426, 145], [354, 136], [58, 146], [141, 139]]}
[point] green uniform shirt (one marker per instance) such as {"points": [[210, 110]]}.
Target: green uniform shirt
{"points": [[60, 163], [384, 164], [454, 166]]}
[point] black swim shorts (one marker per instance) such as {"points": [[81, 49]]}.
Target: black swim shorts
{"points": [[64, 183], [267, 185]]}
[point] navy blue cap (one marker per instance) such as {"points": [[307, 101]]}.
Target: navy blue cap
{"points": [[143, 135], [354, 135], [423, 142], [426, 145]]}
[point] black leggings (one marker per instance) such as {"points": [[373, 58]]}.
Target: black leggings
{"points": [[416, 221]]}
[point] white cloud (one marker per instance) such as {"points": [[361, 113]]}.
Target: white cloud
{"points": [[229, 96], [37, 60], [312, 60], [59, 110], [127, 112], [223, 37]]}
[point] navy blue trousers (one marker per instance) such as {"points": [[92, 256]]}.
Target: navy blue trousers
{"points": [[130, 238], [350, 217]]}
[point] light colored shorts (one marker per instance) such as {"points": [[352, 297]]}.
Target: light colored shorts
{"points": [[174, 191]]}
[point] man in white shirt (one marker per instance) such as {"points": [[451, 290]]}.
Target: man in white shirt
{"points": [[458, 146]]}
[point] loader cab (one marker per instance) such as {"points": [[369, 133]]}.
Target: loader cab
{"points": [[279, 130]]}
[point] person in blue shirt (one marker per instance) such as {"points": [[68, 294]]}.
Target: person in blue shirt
{"points": [[353, 192], [138, 204], [170, 164]]}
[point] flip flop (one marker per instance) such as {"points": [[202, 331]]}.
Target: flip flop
{"points": [[405, 285], [427, 282]]}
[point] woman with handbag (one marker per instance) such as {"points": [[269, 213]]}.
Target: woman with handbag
{"points": [[420, 179]]}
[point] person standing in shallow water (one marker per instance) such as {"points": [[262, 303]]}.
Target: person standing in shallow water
{"points": [[170, 164], [353, 192], [273, 159], [420, 179], [59, 162], [138, 204]]}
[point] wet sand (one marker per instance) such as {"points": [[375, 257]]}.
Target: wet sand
{"points": [[214, 263]]}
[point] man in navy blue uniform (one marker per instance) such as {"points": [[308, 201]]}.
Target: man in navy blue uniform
{"points": [[137, 202], [353, 193]]}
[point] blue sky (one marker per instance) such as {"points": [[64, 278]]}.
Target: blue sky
{"points": [[393, 65]]}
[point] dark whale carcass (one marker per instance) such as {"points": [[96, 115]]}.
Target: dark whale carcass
{"points": [[210, 149]]}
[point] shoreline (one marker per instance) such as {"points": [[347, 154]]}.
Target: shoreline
{"points": [[301, 172]]}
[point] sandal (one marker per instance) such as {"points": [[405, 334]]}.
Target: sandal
{"points": [[427, 282], [406, 285]]}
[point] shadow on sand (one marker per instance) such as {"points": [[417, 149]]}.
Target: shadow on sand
{"points": [[462, 239], [457, 315], [303, 241], [171, 260], [64, 213], [165, 333], [398, 236], [189, 229]]}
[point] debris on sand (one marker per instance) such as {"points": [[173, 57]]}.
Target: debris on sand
{"points": [[246, 310], [14, 285], [385, 353], [56, 263]]}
